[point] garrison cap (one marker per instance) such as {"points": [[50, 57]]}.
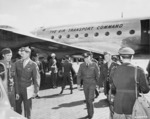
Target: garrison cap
{"points": [[6, 51], [126, 51]]}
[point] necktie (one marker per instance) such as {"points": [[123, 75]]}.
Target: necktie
{"points": [[87, 65], [24, 63]]}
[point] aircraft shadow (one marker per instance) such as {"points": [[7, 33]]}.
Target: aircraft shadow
{"points": [[71, 104], [101, 104]]}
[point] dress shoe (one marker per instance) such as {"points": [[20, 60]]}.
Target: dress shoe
{"points": [[37, 96], [88, 117], [61, 92], [71, 92]]}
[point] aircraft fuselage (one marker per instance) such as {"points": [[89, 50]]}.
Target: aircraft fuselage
{"points": [[103, 36]]}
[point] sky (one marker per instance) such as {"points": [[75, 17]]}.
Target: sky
{"points": [[31, 14]]}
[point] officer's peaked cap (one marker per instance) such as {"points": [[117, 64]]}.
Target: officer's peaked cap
{"points": [[26, 49], [87, 54], [126, 51]]}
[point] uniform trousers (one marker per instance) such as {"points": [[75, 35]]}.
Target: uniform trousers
{"points": [[54, 79], [67, 78], [121, 116], [27, 103], [106, 87], [89, 97], [11, 96]]}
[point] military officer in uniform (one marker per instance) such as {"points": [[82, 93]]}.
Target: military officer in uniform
{"points": [[9, 81], [26, 74], [68, 73], [89, 72], [105, 72], [123, 78]]}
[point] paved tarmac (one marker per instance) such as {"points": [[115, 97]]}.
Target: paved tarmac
{"points": [[53, 105]]}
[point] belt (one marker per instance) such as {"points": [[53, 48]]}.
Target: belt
{"points": [[126, 91]]}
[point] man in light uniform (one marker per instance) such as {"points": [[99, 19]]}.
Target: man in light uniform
{"points": [[26, 74]]}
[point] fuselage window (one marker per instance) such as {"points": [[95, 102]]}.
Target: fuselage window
{"points": [[96, 34], [86, 35], [52, 37], [76, 35], [107, 34], [132, 31], [44, 29], [68, 36], [60, 36], [119, 32]]}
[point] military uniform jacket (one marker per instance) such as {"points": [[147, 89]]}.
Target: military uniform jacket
{"points": [[11, 72], [25, 76], [105, 71], [124, 82], [89, 74], [68, 68]]}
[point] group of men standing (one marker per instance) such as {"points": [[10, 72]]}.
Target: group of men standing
{"points": [[20, 75], [118, 79]]}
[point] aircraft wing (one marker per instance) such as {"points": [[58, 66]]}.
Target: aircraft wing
{"points": [[15, 40]]}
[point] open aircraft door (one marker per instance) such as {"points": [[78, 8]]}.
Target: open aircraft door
{"points": [[145, 35]]}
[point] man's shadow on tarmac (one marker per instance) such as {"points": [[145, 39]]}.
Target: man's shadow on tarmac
{"points": [[71, 104], [53, 96], [101, 104]]}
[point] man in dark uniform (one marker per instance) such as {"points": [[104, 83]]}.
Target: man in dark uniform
{"points": [[26, 74], [105, 72], [67, 72], [123, 78], [94, 60], [9, 81], [89, 72]]}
